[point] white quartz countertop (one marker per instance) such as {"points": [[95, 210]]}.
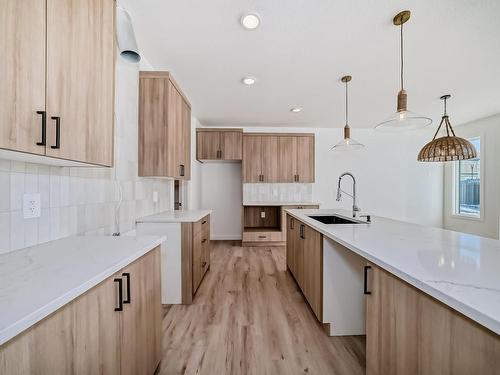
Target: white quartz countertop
{"points": [[177, 216], [38, 280], [280, 203], [461, 270]]}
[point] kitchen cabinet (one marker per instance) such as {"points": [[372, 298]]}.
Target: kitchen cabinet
{"points": [[278, 157], [201, 251], [59, 82], [219, 144], [260, 158], [164, 127], [408, 331], [113, 328], [305, 261]]}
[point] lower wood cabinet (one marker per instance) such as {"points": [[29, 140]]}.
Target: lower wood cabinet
{"points": [[97, 333], [409, 332], [304, 256]]}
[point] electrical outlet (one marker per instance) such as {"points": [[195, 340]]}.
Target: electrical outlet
{"points": [[263, 214], [155, 196], [31, 205]]}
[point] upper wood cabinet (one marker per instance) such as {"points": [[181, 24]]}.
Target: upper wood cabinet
{"points": [[219, 144], [164, 127], [58, 78], [278, 157]]}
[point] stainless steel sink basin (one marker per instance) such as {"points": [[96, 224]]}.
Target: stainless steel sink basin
{"points": [[333, 219]]}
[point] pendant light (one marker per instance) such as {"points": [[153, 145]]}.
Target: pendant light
{"points": [[347, 143], [403, 119], [449, 147]]}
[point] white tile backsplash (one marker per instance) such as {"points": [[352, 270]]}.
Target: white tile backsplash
{"points": [[83, 200], [278, 192]]}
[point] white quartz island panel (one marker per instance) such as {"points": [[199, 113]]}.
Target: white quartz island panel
{"points": [[458, 269], [36, 281]]}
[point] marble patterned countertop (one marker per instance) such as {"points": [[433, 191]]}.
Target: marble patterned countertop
{"points": [[180, 216], [38, 280], [461, 270]]}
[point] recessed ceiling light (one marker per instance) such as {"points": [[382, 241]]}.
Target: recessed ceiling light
{"points": [[248, 81], [250, 21], [296, 109]]}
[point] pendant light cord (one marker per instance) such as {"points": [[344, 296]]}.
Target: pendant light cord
{"points": [[346, 106], [402, 56]]}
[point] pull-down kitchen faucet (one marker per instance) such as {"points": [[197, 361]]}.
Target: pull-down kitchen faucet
{"points": [[355, 208]]}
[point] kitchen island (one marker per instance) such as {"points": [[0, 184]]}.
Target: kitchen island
{"points": [[432, 296]]}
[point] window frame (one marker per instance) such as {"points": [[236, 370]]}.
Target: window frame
{"points": [[456, 182]]}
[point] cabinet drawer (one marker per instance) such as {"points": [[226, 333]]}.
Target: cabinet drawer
{"points": [[202, 226], [262, 236]]}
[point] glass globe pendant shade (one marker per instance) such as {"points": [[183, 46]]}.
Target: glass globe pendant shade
{"points": [[403, 119], [347, 143]]}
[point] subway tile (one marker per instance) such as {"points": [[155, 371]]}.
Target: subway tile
{"points": [[30, 232], [31, 183], [4, 165], [16, 230], [4, 191], [16, 191], [44, 226], [31, 168], [17, 166], [55, 190], [44, 189], [55, 221], [4, 232]]}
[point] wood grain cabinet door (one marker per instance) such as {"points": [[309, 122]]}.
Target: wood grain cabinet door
{"points": [[252, 160], [269, 158], [80, 80], [186, 141], [141, 318], [291, 227], [231, 145], [305, 159], [173, 145], [409, 332], [208, 145], [22, 74], [313, 270], [287, 158]]}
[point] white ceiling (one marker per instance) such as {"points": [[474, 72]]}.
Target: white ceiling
{"points": [[303, 47]]}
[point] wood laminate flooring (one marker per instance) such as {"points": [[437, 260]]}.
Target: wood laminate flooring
{"points": [[249, 317]]}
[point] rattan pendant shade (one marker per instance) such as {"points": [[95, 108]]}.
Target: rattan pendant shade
{"points": [[449, 147]]}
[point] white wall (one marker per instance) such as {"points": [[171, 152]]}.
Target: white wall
{"points": [[83, 200], [489, 131], [222, 192], [390, 181]]}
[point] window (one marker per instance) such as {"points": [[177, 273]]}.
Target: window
{"points": [[468, 184]]}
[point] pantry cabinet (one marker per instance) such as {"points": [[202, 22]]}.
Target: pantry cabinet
{"points": [[219, 144], [58, 96], [113, 328], [164, 127]]}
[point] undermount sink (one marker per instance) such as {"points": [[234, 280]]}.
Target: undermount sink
{"points": [[333, 219]]}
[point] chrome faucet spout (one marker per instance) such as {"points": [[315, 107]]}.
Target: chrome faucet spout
{"points": [[355, 207]]}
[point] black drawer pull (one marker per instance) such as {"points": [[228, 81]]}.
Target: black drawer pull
{"points": [[182, 170], [302, 232], [43, 142], [127, 276], [120, 294], [203, 264], [262, 236], [58, 132], [204, 240], [365, 283], [292, 223], [203, 222]]}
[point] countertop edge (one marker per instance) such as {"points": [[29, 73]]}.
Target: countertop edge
{"points": [[30, 320], [471, 313], [156, 219]]}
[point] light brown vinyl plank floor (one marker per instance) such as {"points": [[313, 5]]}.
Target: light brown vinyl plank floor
{"points": [[249, 317]]}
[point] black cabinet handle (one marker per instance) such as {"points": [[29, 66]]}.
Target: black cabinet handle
{"points": [[120, 294], [204, 240], [58, 132], [43, 142], [365, 283], [292, 222], [204, 222], [181, 170], [127, 277], [262, 236], [302, 232], [203, 264]]}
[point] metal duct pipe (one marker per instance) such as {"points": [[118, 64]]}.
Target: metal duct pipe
{"points": [[125, 37]]}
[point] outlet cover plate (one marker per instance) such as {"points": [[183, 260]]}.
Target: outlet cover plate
{"points": [[31, 205]]}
